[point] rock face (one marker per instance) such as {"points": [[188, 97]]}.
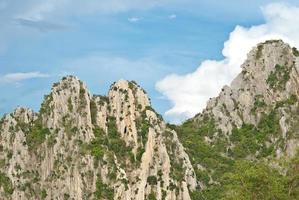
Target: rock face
{"points": [[269, 75], [81, 146], [254, 119], [268, 83]]}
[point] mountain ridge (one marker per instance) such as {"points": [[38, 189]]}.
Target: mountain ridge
{"points": [[251, 125], [83, 146]]}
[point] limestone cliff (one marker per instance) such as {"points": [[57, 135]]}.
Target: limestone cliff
{"points": [[267, 86], [254, 119], [81, 146]]}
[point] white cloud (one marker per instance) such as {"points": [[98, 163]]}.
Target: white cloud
{"points": [[134, 19], [189, 93], [173, 16], [18, 77]]}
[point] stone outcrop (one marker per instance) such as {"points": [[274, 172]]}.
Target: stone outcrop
{"points": [[81, 146], [262, 99]]}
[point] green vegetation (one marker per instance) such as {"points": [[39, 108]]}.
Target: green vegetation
{"points": [[151, 196], [288, 102], [67, 124], [140, 152], [82, 99], [291, 100], [152, 180], [232, 166], [258, 103], [153, 110], [95, 147], [69, 104], [295, 51], [245, 141], [259, 51], [239, 171], [253, 181], [93, 111], [125, 92], [279, 77], [103, 191], [103, 143], [142, 125], [249, 139], [177, 171], [132, 85], [51, 141], [45, 107], [103, 100], [115, 143], [37, 134], [2, 162], [66, 196], [164, 194], [6, 184], [43, 194], [24, 127], [192, 136], [292, 177]]}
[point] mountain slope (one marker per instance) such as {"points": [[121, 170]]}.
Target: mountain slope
{"points": [[251, 127], [78, 146], [92, 147]]}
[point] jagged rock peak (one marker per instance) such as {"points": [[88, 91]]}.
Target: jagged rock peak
{"points": [[20, 117], [270, 67], [255, 120], [131, 91], [67, 79], [267, 84], [70, 83], [275, 50], [99, 147], [270, 73], [24, 114], [69, 101]]}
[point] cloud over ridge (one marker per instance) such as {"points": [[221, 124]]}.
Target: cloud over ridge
{"points": [[21, 76], [189, 93]]}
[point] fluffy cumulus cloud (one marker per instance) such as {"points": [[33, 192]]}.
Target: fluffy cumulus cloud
{"points": [[20, 76], [189, 93]]}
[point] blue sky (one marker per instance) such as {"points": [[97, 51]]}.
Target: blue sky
{"points": [[100, 42]]}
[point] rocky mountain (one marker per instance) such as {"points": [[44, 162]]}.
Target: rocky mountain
{"points": [[82, 146], [245, 142], [92, 147]]}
